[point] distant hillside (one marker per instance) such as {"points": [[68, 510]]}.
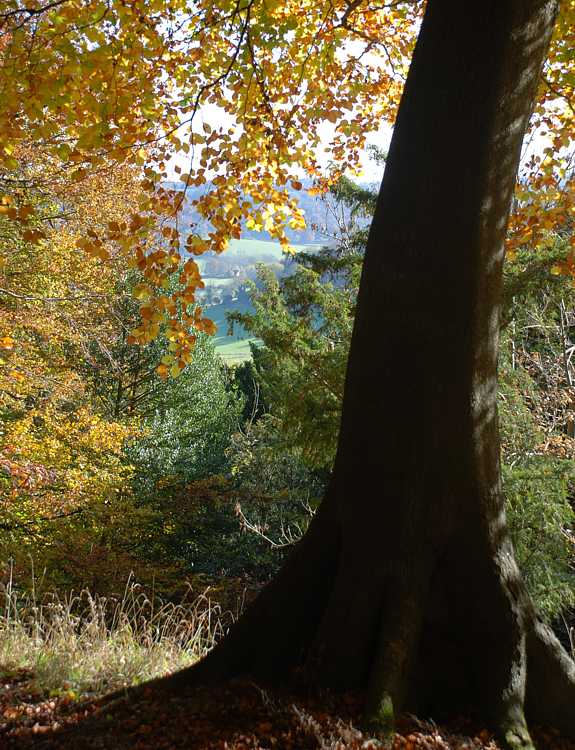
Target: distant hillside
{"points": [[226, 275], [319, 213], [242, 257]]}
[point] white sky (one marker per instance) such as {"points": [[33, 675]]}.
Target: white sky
{"points": [[212, 114]]}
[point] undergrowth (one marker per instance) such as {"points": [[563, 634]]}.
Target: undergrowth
{"points": [[86, 644]]}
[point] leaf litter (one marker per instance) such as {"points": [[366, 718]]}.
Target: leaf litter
{"points": [[239, 715]]}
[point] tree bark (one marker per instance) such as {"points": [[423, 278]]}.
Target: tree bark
{"points": [[406, 584]]}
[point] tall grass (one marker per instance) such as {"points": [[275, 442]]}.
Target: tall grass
{"points": [[90, 644]]}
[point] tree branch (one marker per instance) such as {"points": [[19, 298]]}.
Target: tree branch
{"points": [[50, 299], [43, 519]]}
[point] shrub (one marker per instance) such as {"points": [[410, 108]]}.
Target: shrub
{"points": [[541, 521]]}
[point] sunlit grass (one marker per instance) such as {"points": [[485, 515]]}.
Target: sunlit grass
{"points": [[90, 644]]}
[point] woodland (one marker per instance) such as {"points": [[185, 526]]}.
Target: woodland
{"points": [[363, 534]]}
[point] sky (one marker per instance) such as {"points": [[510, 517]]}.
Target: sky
{"points": [[372, 172]]}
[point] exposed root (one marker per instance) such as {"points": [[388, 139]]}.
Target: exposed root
{"points": [[400, 630], [512, 732], [274, 633], [380, 719], [516, 738], [279, 628], [550, 699]]}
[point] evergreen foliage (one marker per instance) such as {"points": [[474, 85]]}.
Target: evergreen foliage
{"points": [[186, 434]]}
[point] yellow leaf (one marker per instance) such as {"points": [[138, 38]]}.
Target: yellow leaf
{"points": [[7, 342], [141, 291]]}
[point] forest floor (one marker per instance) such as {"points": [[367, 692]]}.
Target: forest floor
{"points": [[238, 716]]}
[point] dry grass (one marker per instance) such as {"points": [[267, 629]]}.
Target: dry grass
{"points": [[89, 644]]}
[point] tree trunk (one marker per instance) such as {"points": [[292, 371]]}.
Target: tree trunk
{"points": [[406, 584]]}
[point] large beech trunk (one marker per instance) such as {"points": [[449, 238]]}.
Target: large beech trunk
{"points": [[406, 584]]}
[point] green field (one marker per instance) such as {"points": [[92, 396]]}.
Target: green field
{"points": [[235, 352], [236, 348], [265, 248]]}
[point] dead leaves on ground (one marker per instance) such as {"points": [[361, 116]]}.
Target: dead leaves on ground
{"points": [[237, 716]]}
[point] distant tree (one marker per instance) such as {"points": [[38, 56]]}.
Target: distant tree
{"points": [[246, 378], [304, 321], [189, 426], [122, 377], [63, 470]]}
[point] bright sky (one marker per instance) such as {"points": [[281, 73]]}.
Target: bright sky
{"points": [[211, 114]]}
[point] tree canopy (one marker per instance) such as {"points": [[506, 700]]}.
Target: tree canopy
{"points": [[250, 91]]}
